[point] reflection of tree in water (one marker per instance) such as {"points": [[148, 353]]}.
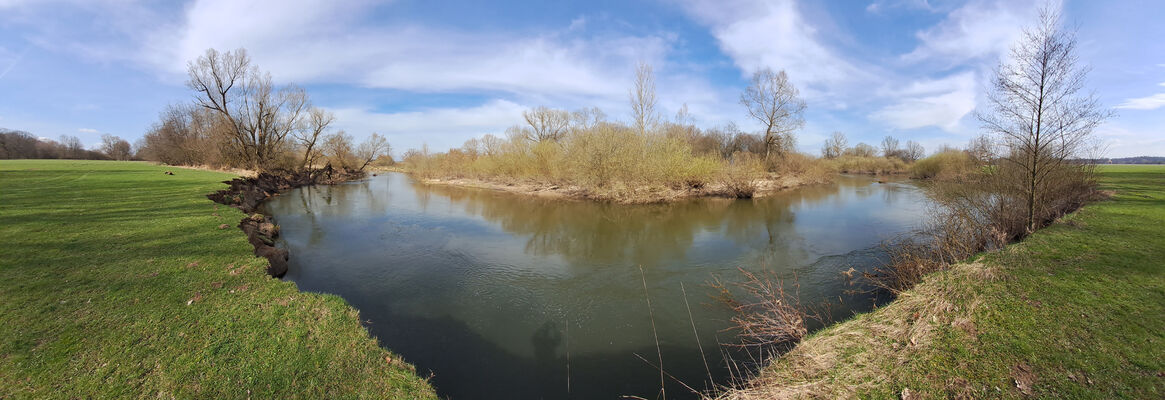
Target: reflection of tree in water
{"points": [[606, 233]]}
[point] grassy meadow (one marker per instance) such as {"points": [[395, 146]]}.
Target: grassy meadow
{"points": [[1077, 310], [116, 281]]}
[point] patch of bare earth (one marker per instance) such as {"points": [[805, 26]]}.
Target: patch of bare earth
{"points": [[863, 353]]}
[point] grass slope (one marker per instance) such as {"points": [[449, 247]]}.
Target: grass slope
{"points": [[1077, 310], [116, 282]]}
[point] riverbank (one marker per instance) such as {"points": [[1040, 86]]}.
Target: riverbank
{"points": [[625, 195], [118, 282], [1077, 310]]}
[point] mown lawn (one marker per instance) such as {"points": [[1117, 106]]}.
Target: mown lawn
{"points": [[115, 281], [1077, 310]]}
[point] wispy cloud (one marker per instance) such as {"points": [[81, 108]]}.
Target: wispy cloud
{"points": [[940, 103], [980, 29], [87, 130], [414, 58], [759, 34], [1145, 103]]}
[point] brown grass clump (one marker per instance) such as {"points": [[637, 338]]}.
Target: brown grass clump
{"points": [[854, 164], [766, 315], [846, 359]]}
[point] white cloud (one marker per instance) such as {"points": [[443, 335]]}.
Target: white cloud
{"points": [[775, 35], [318, 41], [940, 103], [980, 29], [1145, 103], [87, 130]]}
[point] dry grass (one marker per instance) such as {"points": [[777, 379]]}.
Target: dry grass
{"points": [[852, 164], [612, 163], [847, 359]]}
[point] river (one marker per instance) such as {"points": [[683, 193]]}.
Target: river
{"points": [[509, 296]]}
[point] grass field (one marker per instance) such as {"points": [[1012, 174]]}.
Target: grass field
{"points": [[115, 281], [1077, 310]]}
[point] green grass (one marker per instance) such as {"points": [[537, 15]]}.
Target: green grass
{"points": [[116, 282], [1077, 310]]}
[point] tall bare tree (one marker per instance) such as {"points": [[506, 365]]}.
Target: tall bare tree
{"points": [[317, 122], [1037, 111], [373, 147], [913, 152], [834, 146], [546, 124], [773, 101], [260, 115], [643, 99], [889, 147]]}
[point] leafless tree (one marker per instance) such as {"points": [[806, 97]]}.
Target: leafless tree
{"points": [[337, 147], [834, 146], [115, 147], [72, 146], [491, 145], [260, 116], [373, 147], [981, 148], [1037, 111], [914, 151], [861, 150], [643, 99], [317, 122], [773, 101], [889, 147], [546, 124], [587, 118]]}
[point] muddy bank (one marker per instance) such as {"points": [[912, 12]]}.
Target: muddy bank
{"points": [[248, 193], [644, 195]]}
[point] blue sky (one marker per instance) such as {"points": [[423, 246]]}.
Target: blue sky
{"points": [[440, 72]]}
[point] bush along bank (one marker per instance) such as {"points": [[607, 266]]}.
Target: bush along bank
{"points": [[247, 194]]}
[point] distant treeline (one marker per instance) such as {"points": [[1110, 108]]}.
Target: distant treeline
{"points": [[1127, 160], [21, 144]]}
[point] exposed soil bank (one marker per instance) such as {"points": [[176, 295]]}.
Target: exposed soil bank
{"points": [[248, 193], [643, 195]]}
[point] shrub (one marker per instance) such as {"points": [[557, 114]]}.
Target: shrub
{"points": [[945, 165]]}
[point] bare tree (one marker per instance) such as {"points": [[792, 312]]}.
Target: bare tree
{"points": [[643, 99], [981, 148], [773, 101], [914, 151], [491, 145], [861, 150], [337, 147], [889, 147], [317, 122], [373, 147], [834, 146], [587, 118], [1037, 112], [260, 115], [72, 146], [546, 124], [115, 147]]}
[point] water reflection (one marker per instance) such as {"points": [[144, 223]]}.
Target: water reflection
{"points": [[491, 290]]}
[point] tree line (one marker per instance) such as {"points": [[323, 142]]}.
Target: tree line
{"points": [[240, 118], [16, 144]]}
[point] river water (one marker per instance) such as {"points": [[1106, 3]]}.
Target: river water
{"points": [[504, 296]]}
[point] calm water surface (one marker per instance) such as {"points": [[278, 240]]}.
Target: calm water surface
{"points": [[509, 296]]}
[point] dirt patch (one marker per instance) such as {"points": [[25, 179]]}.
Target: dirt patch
{"points": [[1024, 378], [248, 193]]}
